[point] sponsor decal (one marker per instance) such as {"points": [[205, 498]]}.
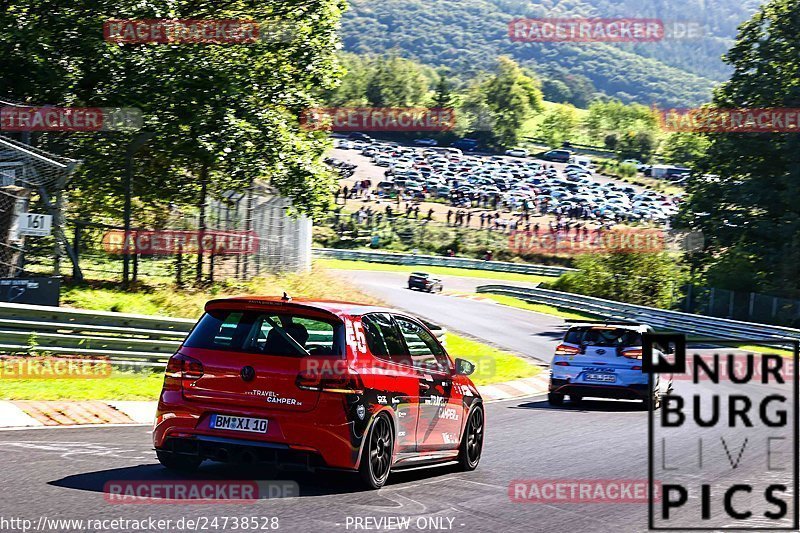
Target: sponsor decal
{"points": [[274, 397], [448, 414], [449, 438], [435, 400]]}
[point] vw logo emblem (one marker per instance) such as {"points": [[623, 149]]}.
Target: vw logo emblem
{"points": [[248, 373], [601, 352]]}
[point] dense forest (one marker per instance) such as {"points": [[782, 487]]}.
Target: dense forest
{"points": [[467, 37]]}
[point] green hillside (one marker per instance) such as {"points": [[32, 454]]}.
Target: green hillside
{"points": [[466, 36]]}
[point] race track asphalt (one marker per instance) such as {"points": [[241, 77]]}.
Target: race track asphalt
{"points": [[62, 473], [534, 335]]}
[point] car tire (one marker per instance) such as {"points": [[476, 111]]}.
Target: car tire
{"points": [[555, 399], [469, 452], [375, 467], [178, 462]]}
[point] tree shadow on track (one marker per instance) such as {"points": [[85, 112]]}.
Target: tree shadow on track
{"points": [[605, 406], [320, 483]]}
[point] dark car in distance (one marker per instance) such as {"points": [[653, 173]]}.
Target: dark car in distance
{"points": [[557, 156], [359, 136], [424, 282]]}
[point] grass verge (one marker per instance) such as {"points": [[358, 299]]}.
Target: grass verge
{"points": [[166, 300], [540, 308], [765, 349], [492, 365], [341, 264], [118, 386]]}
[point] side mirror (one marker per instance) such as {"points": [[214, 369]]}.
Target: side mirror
{"points": [[464, 367]]}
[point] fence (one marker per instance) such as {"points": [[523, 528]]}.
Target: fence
{"points": [[31, 180], [121, 338], [266, 239], [431, 260], [697, 325], [749, 306]]}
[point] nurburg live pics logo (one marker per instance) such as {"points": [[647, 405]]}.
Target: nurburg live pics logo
{"points": [[724, 444]]}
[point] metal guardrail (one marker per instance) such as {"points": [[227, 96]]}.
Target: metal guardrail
{"points": [[120, 338], [697, 325], [434, 260]]}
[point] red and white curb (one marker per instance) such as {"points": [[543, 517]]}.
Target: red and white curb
{"points": [[515, 389], [35, 414]]}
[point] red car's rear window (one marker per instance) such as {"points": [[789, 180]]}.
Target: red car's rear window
{"points": [[270, 333]]}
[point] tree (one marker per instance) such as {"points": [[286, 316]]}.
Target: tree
{"points": [[614, 117], [746, 201], [611, 141], [559, 124], [351, 90], [229, 110], [636, 145], [512, 96], [555, 90], [652, 279], [444, 96], [398, 82], [684, 148]]}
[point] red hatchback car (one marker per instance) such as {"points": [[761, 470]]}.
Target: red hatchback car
{"points": [[316, 383]]}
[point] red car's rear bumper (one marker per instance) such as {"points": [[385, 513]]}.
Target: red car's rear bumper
{"points": [[324, 432]]}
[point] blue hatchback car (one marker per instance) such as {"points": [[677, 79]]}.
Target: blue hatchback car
{"points": [[604, 360]]}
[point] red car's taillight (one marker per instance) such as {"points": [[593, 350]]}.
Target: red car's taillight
{"points": [[181, 367], [344, 383], [566, 349]]}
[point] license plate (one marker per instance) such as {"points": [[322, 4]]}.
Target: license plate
{"points": [[602, 378], [238, 423]]}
